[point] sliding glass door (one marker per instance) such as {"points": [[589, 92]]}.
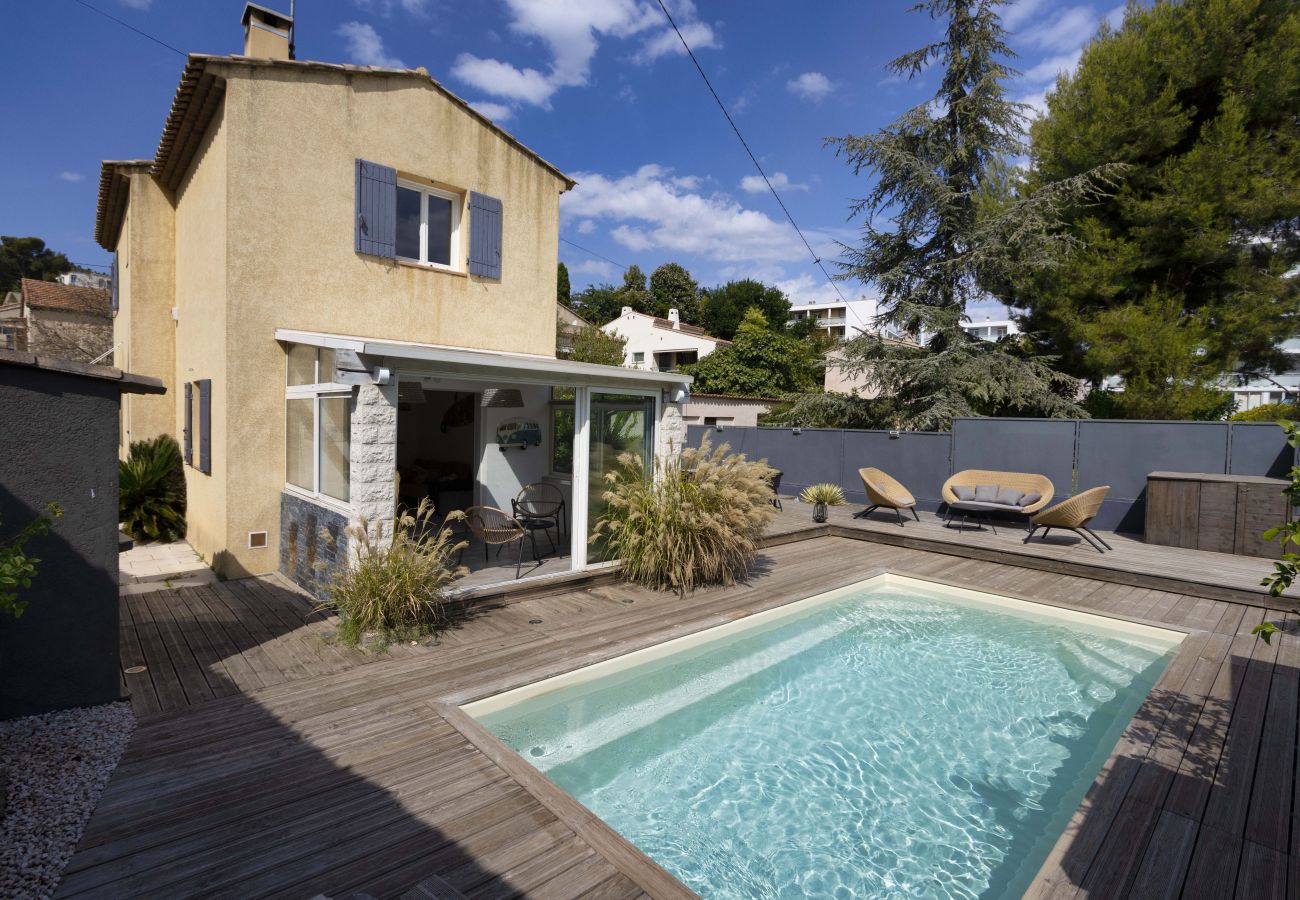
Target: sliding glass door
{"points": [[619, 424]]}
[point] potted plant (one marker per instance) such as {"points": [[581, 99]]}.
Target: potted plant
{"points": [[821, 496]]}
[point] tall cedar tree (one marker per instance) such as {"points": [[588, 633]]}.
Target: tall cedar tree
{"points": [[932, 241], [562, 289], [1182, 274]]}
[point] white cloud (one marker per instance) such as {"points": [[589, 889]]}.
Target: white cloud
{"points": [[136, 4], [1115, 18], [1016, 14], [807, 288], [754, 184], [1070, 29], [586, 226], [698, 34], [503, 80], [366, 47], [385, 7], [652, 212], [572, 31], [810, 86], [497, 112], [1048, 69], [593, 267], [71, 176], [687, 182]]}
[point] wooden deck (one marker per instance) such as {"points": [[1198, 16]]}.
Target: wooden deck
{"points": [[310, 769]]}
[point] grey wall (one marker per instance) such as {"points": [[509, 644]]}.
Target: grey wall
{"points": [[1076, 454], [58, 441]]}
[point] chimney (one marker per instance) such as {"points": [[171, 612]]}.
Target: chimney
{"points": [[627, 310], [675, 317], [267, 33]]}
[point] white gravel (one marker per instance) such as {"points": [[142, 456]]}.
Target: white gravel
{"points": [[54, 767]]}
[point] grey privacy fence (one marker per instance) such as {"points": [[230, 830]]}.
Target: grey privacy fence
{"points": [[1075, 454]]}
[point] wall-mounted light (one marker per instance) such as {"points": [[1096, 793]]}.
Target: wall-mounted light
{"points": [[796, 429]]}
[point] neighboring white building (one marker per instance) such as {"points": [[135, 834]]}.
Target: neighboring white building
{"points": [[86, 279], [661, 345], [990, 329], [839, 319], [721, 410]]}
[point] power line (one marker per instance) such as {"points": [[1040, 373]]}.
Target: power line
{"points": [[594, 253], [130, 26], [92, 265], [754, 159]]}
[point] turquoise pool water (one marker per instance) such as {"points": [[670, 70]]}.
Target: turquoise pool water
{"points": [[895, 741]]}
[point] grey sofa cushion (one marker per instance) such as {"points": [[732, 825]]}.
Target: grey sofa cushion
{"points": [[1009, 497], [1031, 498], [986, 493], [962, 492]]}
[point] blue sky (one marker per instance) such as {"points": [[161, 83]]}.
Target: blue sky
{"points": [[601, 88]]}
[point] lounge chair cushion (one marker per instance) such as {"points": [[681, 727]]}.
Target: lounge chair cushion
{"points": [[962, 492], [977, 506], [1030, 499], [986, 493], [1009, 497]]}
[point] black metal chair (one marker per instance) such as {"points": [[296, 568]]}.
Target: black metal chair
{"points": [[540, 507], [776, 490]]}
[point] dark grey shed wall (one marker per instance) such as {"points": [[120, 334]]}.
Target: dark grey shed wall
{"points": [[1074, 454], [58, 441]]}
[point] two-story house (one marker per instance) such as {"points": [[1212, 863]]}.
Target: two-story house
{"points": [[345, 276], [660, 345]]}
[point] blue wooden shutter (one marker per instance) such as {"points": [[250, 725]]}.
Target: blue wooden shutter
{"points": [[376, 209], [205, 426], [189, 423], [484, 235], [112, 296]]}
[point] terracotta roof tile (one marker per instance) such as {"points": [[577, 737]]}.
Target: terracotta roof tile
{"points": [[69, 297]]}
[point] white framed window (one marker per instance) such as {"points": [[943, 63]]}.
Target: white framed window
{"points": [[428, 225], [318, 425]]}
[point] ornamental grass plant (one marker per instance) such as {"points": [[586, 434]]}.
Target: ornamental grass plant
{"points": [[699, 523], [396, 587]]}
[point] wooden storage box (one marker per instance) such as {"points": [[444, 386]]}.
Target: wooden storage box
{"points": [[1223, 513]]}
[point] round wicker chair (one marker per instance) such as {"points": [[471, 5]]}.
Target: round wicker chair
{"points": [[1074, 515], [496, 527], [885, 492]]}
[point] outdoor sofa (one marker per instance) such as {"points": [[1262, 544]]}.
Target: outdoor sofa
{"points": [[978, 493]]}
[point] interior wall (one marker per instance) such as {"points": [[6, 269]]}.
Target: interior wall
{"points": [[502, 474], [422, 443]]}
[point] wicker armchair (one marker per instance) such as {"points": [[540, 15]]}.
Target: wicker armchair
{"points": [[496, 527], [1074, 515], [885, 492]]}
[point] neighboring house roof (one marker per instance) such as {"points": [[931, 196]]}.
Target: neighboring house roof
{"points": [[569, 317], [698, 395], [682, 328], [199, 95], [129, 383], [66, 297]]}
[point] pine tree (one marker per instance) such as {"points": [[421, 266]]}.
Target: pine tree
{"points": [[937, 231], [562, 289], [1199, 100]]}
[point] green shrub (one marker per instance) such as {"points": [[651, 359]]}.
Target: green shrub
{"points": [[1269, 412], [151, 490], [699, 523], [830, 494], [396, 587], [17, 569]]}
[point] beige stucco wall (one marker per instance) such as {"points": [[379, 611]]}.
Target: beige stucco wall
{"points": [[740, 411], [265, 240], [205, 347], [143, 330]]}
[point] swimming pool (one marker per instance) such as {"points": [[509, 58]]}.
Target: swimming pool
{"points": [[895, 738]]}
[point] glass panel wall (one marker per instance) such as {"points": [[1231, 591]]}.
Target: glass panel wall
{"points": [[620, 423], [335, 427], [298, 468]]}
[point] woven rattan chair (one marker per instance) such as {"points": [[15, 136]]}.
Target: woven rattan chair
{"points": [[885, 492], [1074, 515], [496, 527]]}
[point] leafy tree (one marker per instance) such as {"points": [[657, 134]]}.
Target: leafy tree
{"points": [[28, 257], [593, 345], [672, 287], [722, 308], [562, 290], [935, 233], [1268, 412], [759, 363], [633, 293], [598, 304], [1181, 274]]}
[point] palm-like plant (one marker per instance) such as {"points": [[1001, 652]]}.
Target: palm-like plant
{"points": [[151, 490], [830, 494]]}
